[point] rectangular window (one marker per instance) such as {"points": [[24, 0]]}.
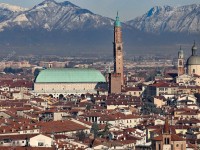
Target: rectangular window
{"points": [[167, 140]]}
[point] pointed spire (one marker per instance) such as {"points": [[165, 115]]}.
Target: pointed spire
{"points": [[117, 17], [180, 53], [194, 45], [194, 48], [117, 21]]}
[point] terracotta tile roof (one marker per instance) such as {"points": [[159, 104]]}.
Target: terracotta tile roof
{"points": [[21, 83], [189, 87], [17, 137], [117, 116], [60, 126], [126, 89], [158, 138], [160, 97], [174, 137], [25, 148], [164, 84], [124, 142]]}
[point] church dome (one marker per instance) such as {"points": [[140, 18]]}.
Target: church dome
{"points": [[70, 75], [193, 60]]}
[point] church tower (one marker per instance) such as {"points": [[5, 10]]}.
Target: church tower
{"points": [[180, 62], [118, 49]]}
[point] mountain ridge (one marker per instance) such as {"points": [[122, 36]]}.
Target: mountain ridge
{"points": [[169, 19], [51, 15]]}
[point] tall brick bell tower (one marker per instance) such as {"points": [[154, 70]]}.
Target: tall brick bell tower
{"points": [[118, 49], [116, 79]]}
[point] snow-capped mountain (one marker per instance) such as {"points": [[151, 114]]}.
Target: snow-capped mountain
{"points": [[169, 19], [50, 15], [8, 11], [64, 28], [12, 8]]}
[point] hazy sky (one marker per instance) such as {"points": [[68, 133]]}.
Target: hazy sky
{"points": [[128, 9]]}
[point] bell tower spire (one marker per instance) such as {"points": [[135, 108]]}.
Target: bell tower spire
{"points": [[194, 49]]}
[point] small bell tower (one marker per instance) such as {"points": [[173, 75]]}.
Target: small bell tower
{"points": [[181, 69]]}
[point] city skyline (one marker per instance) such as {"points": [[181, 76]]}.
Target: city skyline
{"points": [[128, 9]]}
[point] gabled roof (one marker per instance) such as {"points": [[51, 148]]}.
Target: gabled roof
{"points": [[164, 84], [174, 137]]}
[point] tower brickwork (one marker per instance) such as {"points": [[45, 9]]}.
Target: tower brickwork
{"points": [[116, 79], [118, 50]]}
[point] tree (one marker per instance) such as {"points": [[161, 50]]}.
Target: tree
{"points": [[81, 135], [95, 129], [197, 95], [12, 70], [149, 108], [36, 72], [88, 107], [93, 99], [105, 132]]}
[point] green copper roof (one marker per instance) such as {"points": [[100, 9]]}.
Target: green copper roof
{"points": [[117, 21], [70, 75]]}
